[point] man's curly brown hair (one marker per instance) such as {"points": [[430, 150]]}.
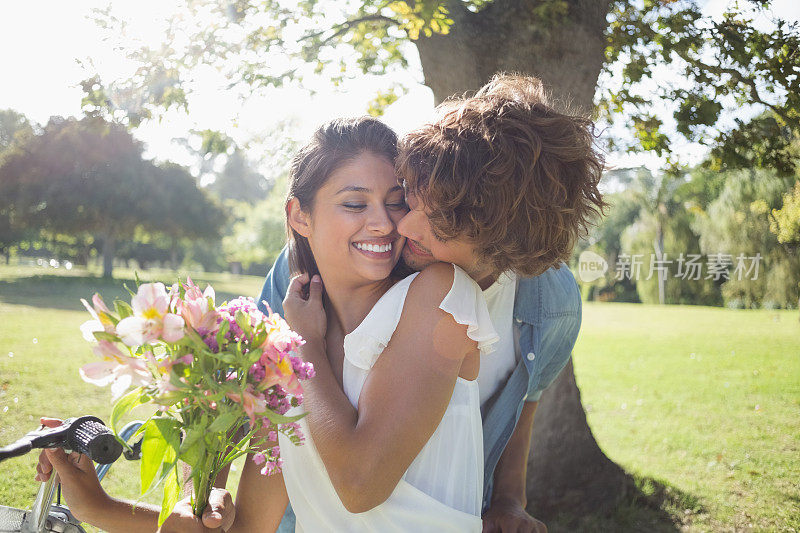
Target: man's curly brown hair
{"points": [[507, 170]]}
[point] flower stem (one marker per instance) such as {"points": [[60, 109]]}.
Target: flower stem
{"points": [[203, 484]]}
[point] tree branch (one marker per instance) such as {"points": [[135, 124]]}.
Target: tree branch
{"points": [[347, 25], [748, 82]]}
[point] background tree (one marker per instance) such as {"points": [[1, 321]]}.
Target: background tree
{"points": [[259, 231], [738, 222], [14, 127], [785, 223], [239, 181], [723, 64], [88, 176]]}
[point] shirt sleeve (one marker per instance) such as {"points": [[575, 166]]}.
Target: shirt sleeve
{"points": [[559, 333], [275, 285]]}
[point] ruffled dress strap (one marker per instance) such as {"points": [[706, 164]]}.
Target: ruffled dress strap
{"points": [[364, 345], [466, 304]]}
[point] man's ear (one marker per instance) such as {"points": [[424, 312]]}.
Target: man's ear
{"points": [[298, 219]]}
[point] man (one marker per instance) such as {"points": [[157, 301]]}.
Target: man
{"points": [[505, 183]]}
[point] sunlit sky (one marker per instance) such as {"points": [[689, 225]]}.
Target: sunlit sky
{"points": [[43, 43]]}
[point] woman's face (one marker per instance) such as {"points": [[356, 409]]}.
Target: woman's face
{"points": [[352, 227]]}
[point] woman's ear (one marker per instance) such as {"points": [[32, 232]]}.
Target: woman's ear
{"points": [[298, 219]]}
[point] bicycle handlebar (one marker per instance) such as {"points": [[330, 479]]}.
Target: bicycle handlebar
{"points": [[85, 434]]}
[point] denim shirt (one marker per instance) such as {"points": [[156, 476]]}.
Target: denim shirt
{"points": [[547, 317]]}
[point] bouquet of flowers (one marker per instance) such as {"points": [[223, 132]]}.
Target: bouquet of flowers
{"points": [[217, 375]]}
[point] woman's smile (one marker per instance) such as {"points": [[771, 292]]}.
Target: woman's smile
{"points": [[376, 248]]}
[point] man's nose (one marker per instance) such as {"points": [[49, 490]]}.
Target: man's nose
{"points": [[405, 225]]}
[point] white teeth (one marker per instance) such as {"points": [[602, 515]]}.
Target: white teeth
{"points": [[378, 248]]}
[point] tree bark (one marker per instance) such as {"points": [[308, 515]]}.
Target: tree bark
{"points": [[567, 472], [565, 52]]}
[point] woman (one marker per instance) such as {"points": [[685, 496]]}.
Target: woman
{"points": [[406, 449]]}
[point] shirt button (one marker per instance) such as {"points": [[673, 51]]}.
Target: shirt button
{"points": [[530, 356]]}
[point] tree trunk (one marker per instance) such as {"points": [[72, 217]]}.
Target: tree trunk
{"points": [[109, 244], [173, 254], [659, 249], [568, 473]]}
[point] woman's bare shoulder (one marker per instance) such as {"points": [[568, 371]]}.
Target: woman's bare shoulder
{"points": [[432, 284]]}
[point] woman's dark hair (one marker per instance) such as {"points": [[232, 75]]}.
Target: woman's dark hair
{"points": [[334, 144]]}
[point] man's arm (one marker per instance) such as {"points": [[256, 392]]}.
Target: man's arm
{"points": [[507, 509], [560, 327]]}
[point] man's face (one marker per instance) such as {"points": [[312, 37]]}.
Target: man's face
{"points": [[423, 247]]}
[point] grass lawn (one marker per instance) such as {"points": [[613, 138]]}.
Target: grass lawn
{"points": [[705, 401]]}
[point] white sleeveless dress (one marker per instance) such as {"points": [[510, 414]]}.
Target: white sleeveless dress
{"points": [[441, 490]]}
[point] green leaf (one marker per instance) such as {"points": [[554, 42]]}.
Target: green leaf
{"points": [[222, 423], [193, 447], [124, 405], [224, 327], [275, 418], [123, 309], [160, 435], [243, 321], [104, 336], [172, 493]]}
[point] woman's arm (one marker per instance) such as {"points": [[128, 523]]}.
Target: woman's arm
{"points": [[260, 500], [88, 501], [367, 451]]}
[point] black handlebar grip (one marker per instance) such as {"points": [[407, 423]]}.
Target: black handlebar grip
{"points": [[89, 436]]}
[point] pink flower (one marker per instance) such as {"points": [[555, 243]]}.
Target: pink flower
{"points": [[151, 320], [120, 370], [151, 300], [197, 308], [259, 458], [165, 364], [100, 318], [272, 467], [252, 403]]}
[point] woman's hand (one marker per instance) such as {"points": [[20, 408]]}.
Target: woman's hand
{"points": [[306, 316], [79, 483], [219, 515]]}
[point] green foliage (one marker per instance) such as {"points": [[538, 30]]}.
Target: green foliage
{"points": [[88, 177], [258, 232], [738, 221], [785, 222], [13, 128], [697, 214], [722, 65], [238, 180], [383, 100]]}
